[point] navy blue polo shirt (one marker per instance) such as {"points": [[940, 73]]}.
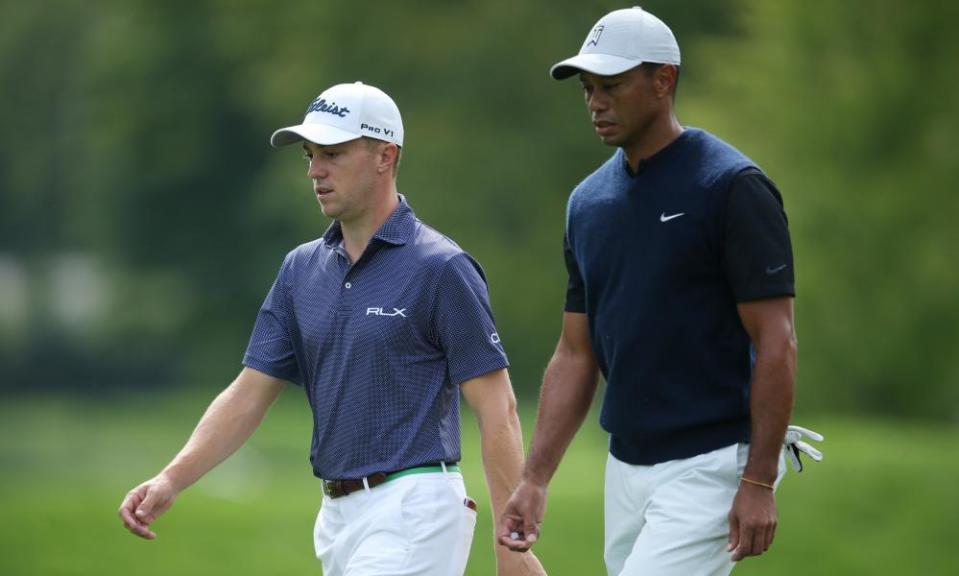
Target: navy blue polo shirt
{"points": [[658, 261], [380, 345]]}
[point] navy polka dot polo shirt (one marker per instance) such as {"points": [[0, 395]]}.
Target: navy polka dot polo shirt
{"points": [[380, 345]]}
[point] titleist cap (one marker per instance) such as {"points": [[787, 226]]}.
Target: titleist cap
{"points": [[346, 112]]}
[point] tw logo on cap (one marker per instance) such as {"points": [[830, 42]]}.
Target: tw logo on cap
{"points": [[321, 105], [594, 35]]}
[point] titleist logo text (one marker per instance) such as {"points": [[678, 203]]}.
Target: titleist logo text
{"points": [[321, 105]]}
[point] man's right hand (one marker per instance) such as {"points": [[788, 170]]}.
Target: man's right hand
{"points": [[146, 503], [518, 527], [525, 564]]}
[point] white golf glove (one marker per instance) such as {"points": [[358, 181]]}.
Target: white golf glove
{"points": [[794, 445]]}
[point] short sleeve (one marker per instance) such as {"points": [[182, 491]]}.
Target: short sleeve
{"points": [[575, 287], [758, 257], [271, 349], [463, 321]]}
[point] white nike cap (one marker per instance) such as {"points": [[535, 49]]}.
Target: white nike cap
{"points": [[620, 41], [346, 112]]}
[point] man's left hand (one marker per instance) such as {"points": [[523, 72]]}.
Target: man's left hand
{"points": [[752, 521]]}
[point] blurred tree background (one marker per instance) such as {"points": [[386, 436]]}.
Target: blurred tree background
{"points": [[143, 214]]}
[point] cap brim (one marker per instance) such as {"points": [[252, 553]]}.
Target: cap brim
{"points": [[317, 133], [602, 64]]}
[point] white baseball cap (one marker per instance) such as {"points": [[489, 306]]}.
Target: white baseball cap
{"points": [[620, 41], [346, 112]]}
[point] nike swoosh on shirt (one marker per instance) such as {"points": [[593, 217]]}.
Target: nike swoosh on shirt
{"points": [[770, 270], [664, 218]]}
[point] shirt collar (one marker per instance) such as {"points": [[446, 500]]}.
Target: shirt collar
{"points": [[397, 229], [658, 156]]}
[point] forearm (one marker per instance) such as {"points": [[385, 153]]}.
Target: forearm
{"points": [[228, 422], [568, 388], [501, 440], [501, 443], [771, 402], [502, 448]]}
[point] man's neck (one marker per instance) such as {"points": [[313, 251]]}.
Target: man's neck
{"points": [[357, 233], [660, 134]]}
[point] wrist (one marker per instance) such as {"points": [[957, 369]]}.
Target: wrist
{"points": [[535, 476], [757, 483], [173, 479], [765, 472], [538, 482]]}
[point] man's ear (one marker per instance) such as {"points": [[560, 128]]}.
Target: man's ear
{"points": [[387, 157], [664, 80]]}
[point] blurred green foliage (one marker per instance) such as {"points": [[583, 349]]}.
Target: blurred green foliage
{"points": [[882, 502], [143, 214]]}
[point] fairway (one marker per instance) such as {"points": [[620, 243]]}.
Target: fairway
{"points": [[883, 501]]}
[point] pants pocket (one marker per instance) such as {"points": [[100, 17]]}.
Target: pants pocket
{"points": [[439, 524]]}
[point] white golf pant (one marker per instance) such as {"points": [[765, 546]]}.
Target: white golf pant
{"points": [[672, 518], [415, 525]]}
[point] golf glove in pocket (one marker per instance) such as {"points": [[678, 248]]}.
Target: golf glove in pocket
{"points": [[794, 445]]}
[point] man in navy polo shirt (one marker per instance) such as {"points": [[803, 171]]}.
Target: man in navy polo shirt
{"points": [[680, 292], [383, 321]]}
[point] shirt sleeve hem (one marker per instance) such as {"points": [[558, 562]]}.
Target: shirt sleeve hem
{"points": [[766, 293], [459, 379], [269, 369]]}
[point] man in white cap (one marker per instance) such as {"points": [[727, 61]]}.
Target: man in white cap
{"points": [[680, 293], [383, 321]]}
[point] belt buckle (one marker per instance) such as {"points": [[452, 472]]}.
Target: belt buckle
{"points": [[332, 488]]}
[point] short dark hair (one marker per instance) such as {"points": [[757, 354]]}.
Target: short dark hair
{"points": [[371, 142], [650, 68]]}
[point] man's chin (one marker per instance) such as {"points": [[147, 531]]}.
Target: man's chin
{"points": [[328, 211], [611, 140]]}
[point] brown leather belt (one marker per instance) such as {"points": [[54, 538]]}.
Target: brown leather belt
{"points": [[339, 488]]}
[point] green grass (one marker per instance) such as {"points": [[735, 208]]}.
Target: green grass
{"points": [[884, 502]]}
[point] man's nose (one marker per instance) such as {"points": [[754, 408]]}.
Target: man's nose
{"points": [[317, 168], [597, 101]]}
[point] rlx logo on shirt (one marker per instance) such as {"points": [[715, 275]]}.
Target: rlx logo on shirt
{"points": [[380, 312]]}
